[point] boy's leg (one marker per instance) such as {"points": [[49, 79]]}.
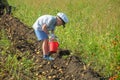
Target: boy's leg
{"points": [[41, 35], [45, 47]]}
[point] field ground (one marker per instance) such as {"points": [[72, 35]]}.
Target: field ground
{"points": [[26, 55]]}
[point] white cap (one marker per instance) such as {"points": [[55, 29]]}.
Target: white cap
{"points": [[63, 17]]}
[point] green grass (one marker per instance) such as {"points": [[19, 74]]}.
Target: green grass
{"points": [[93, 28]]}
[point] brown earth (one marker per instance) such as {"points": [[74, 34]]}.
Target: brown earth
{"points": [[23, 39]]}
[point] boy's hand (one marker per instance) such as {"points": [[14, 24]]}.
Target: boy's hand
{"points": [[53, 36]]}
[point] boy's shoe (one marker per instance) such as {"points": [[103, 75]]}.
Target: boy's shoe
{"points": [[48, 57]]}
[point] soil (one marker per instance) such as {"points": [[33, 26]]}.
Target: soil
{"points": [[23, 38]]}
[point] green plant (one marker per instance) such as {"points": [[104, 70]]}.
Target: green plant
{"points": [[4, 42]]}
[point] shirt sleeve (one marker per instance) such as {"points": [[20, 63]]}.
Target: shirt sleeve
{"points": [[48, 20], [50, 24]]}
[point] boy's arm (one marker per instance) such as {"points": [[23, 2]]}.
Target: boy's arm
{"points": [[44, 28]]}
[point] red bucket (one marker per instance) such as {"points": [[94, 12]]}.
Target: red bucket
{"points": [[53, 46]]}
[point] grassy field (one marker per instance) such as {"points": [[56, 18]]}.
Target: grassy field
{"points": [[93, 31]]}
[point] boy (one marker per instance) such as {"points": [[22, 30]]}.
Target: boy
{"points": [[43, 25]]}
